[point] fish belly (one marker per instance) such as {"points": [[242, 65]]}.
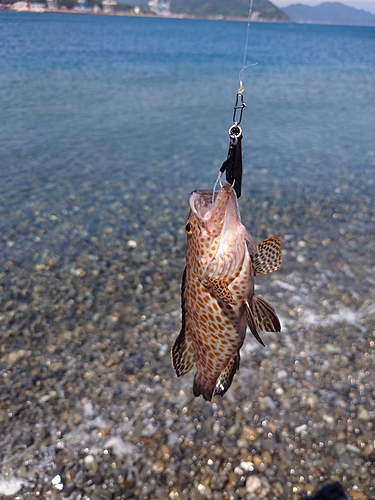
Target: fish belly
{"points": [[217, 331]]}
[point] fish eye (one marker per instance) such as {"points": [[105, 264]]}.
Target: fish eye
{"points": [[189, 227]]}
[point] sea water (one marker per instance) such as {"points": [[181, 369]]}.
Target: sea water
{"points": [[134, 98], [98, 109]]}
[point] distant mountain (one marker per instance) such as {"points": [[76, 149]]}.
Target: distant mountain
{"points": [[233, 8], [329, 13]]}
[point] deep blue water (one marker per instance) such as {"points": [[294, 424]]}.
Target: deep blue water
{"points": [[97, 101]]}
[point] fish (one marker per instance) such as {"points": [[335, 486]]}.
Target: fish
{"points": [[217, 294]]}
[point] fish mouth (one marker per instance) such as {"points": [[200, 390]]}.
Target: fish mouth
{"points": [[203, 201]]}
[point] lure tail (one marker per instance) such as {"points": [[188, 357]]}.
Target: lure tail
{"points": [[233, 163]]}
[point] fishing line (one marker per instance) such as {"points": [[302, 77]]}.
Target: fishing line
{"points": [[241, 75], [232, 166]]}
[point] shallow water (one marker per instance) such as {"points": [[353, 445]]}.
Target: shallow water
{"points": [[107, 125]]}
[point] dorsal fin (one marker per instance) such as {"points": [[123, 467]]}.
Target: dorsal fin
{"points": [[182, 350], [226, 376], [268, 257], [265, 315]]}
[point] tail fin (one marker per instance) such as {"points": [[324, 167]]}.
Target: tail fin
{"points": [[199, 388], [222, 384]]}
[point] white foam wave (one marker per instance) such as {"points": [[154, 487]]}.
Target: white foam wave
{"points": [[10, 486]]}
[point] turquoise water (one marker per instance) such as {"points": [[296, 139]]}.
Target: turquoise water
{"points": [[95, 107], [137, 97]]}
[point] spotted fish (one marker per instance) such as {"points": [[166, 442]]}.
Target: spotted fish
{"points": [[218, 300]]}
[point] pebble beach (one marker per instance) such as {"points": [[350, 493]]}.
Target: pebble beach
{"points": [[90, 274], [89, 395]]}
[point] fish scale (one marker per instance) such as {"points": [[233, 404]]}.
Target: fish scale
{"points": [[217, 295]]}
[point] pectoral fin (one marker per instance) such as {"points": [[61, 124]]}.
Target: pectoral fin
{"points": [[265, 315], [220, 289], [268, 257]]}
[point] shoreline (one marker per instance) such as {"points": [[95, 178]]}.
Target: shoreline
{"points": [[132, 14], [180, 16]]}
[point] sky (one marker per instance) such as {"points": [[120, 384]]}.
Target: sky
{"points": [[368, 5]]}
